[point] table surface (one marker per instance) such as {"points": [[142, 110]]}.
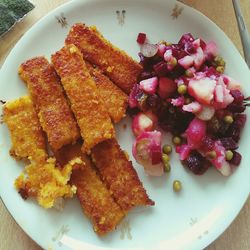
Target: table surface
{"points": [[237, 236]]}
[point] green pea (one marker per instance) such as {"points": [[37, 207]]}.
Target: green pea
{"points": [[167, 167], [176, 140], [177, 186], [211, 154], [182, 89], [165, 158], [228, 119], [167, 149], [229, 155], [220, 69]]}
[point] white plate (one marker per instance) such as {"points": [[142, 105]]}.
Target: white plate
{"points": [[189, 220]]}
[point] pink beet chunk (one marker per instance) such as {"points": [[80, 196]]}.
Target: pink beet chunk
{"points": [[149, 85]]}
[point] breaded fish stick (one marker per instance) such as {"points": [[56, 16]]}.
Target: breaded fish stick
{"points": [[92, 118], [53, 110], [113, 98], [25, 130], [118, 66], [95, 199], [119, 175]]}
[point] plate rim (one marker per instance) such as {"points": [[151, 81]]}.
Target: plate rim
{"points": [[235, 211]]}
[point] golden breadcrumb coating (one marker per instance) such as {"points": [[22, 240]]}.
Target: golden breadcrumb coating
{"points": [[46, 182], [95, 199], [53, 110], [116, 64], [113, 98], [92, 118], [119, 175], [26, 134]]}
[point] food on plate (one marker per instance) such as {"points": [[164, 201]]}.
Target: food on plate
{"points": [[148, 152], [143, 122], [118, 174], [115, 63], [113, 98], [185, 86], [53, 110], [93, 120], [72, 88], [177, 186], [46, 182], [95, 199], [26, 134]]}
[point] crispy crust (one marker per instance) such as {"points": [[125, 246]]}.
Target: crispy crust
{"points": [[53, 110], [95, 199], [26, 133], [92, 118], [118, 66], [119, 175], [113, 98]]}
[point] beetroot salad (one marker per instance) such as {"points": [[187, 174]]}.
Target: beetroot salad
{"points": [[183, 90]]}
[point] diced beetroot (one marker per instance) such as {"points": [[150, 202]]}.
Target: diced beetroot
{"points": [[179, 101], [222, 96], [197, 43], [133, 96], [236, 108], [199, 58], [207, 144], [183, 151], [202, 90], [218, 93], [196, 163], [141, 38], [167, 87], [211, 73], [186, 38], [237, 95], [142, 123], [156, 154], [211, 50], [206, 113], [195, 132], [228, 143], [161, 49], [154, 102], [193, 107], [189, 48], [220, 155], [168, 55], [236, 159], [152, 117], [161, 68], [202, 44], [145, 75], [231, 83], [186, 62], [240, 120], [149, 86], [147, 151]]}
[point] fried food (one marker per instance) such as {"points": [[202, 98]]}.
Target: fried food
{"points": [[116, 64], [53, 110], [113, 98], [95, 199], [27, 137], [47, 183], [119, 175], [92, 118]]}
